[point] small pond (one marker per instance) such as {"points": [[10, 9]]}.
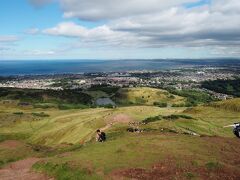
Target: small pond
{"points": [[104, 102]]}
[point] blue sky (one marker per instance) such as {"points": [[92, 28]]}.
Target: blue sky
{"points": [[110, 29]]}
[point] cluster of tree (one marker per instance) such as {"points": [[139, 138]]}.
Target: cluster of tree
{"points": [[110, 90], [230, 87], [46, 96], [193, 97]]}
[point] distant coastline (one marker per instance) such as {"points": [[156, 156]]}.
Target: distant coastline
{"points": [[45, 67]]}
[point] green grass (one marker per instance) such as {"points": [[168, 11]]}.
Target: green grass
{"points": [[232, 104], [146, 96], [71, 106], [75, 126], [11, 154], [38, 97], [97, 94], [144, 150], [13, 136], [64, 172], [66, 139], [213, 166], [193, 97], [172, 117]]}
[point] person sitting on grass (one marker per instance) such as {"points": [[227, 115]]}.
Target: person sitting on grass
{"points": [[100, 136]]}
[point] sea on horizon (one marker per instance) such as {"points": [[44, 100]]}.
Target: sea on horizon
{"points": [[44, 67]]}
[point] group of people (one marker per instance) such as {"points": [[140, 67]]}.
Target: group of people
{"points": [[100, 136]]}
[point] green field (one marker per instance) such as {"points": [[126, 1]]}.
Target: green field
{"points": [[146, 96], [173, 142]]}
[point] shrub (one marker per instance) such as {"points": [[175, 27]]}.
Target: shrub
{"points": [[175, 117], [179, 105], [18, 113], [160, 104], [213, 166], [171, 96], [194, 97], [152, 119], [42, 114]]}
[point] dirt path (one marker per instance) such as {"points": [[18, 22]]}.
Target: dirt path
{"points": [[21, 170], [119, 118]]}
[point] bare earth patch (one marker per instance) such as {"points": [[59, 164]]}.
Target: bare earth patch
{"points": [[119, 118], [21, 170], [11, 144], [170, 169]]}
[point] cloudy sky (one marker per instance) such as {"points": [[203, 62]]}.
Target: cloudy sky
{"points": [[119, 29]]}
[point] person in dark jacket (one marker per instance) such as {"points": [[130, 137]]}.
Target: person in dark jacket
{"points": [[236, 129], [100, 136]]}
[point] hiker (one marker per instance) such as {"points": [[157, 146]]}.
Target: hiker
{"points": [[100, 136], [236, 129]]}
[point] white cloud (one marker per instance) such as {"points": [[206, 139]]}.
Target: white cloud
{"points": [[154, 24], [9, 38], [67, 29], [99, 36], [206, 25], [109, 9]]}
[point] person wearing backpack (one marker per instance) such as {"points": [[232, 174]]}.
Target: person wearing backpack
{"points": [[236, 129], [103, 136], [100, 136]]}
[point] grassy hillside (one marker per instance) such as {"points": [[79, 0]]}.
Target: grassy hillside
{"points": [[193, 97], [45, 98], [53, 127], [64, 127], [146, 96], [170, 142], [148, 156], [162, 150], [232, 105]]}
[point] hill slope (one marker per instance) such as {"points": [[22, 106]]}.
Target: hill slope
{"points": [[146, 96], [176, 143], [232, 104]]}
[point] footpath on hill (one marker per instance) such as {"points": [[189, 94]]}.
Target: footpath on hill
{"points": [[20, 170]]}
